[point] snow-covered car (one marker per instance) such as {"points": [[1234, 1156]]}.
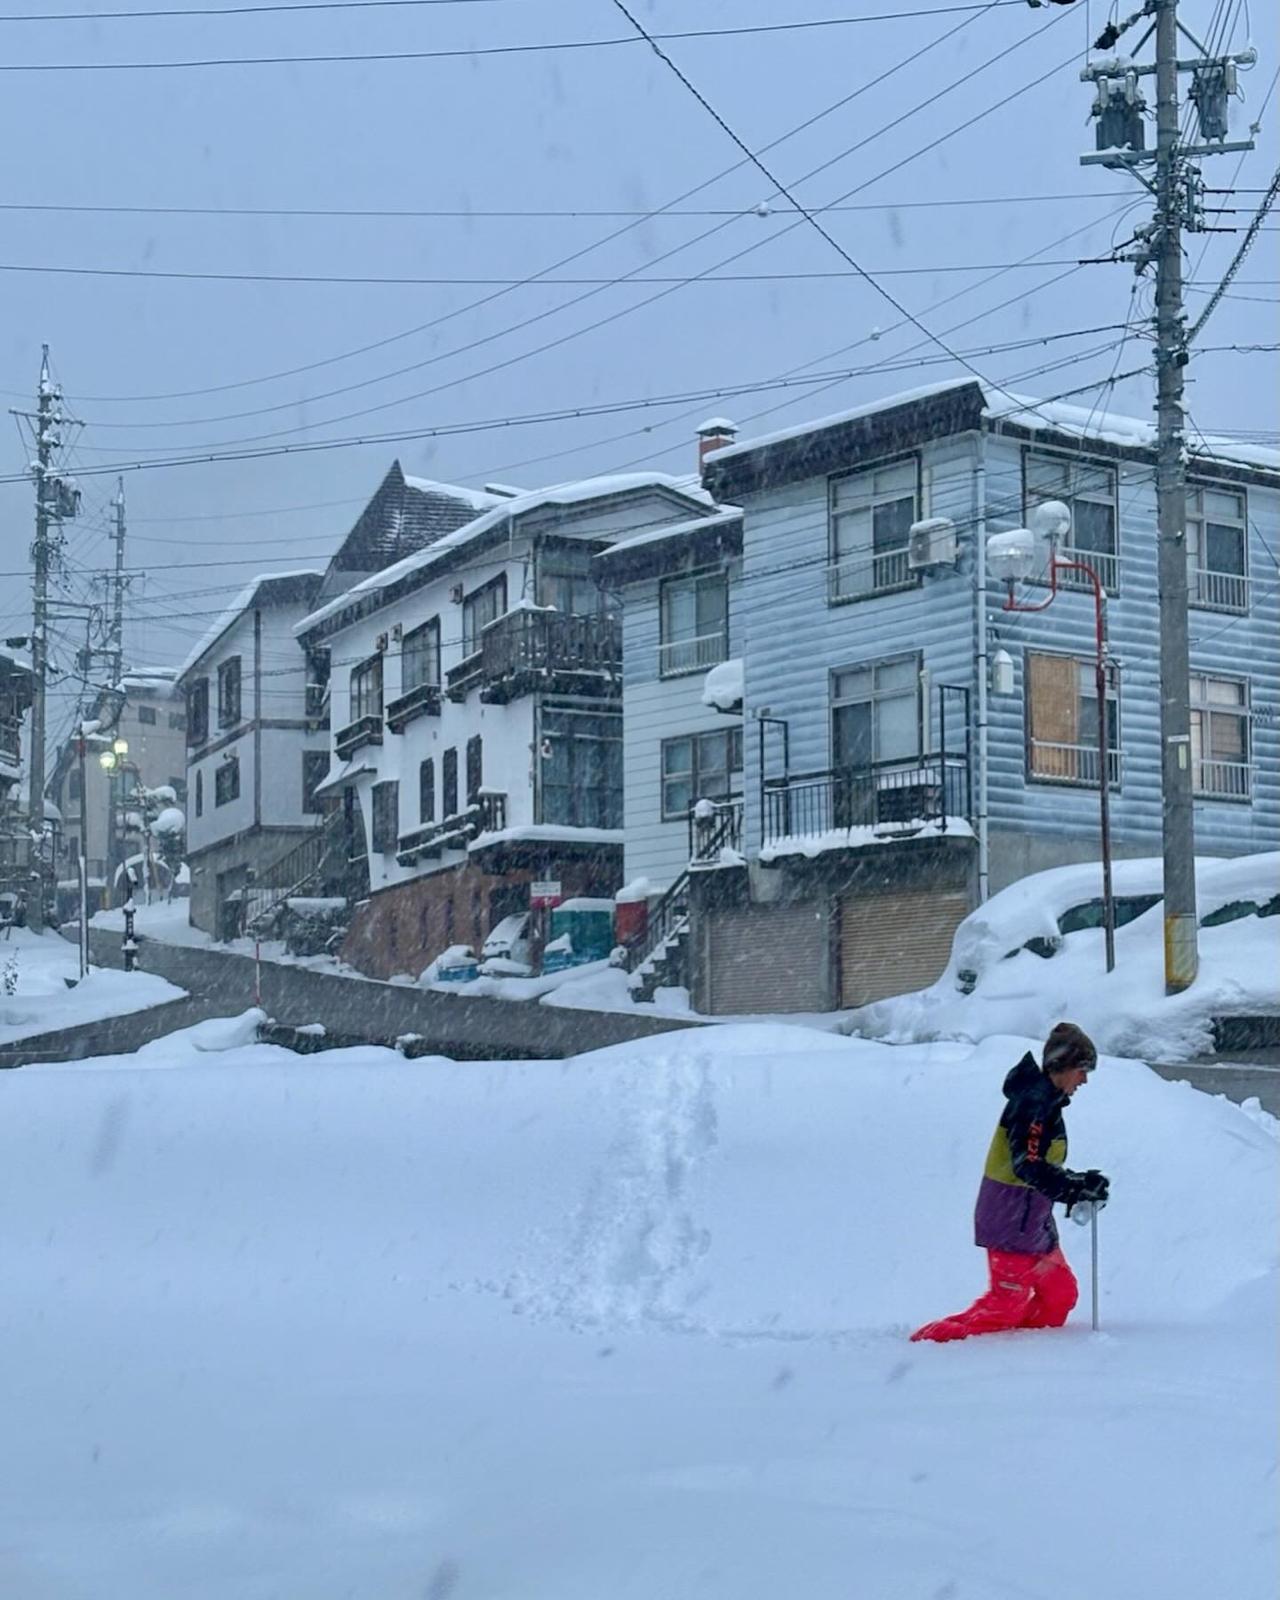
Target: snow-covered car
{"points": [[508, 948]]}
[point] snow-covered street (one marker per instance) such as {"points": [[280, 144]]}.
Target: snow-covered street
{"points": [[628, 1325], [41, 992]]}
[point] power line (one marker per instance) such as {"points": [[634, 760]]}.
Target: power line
{"points": [[540, 47], [1246, 243], [232, 11], [575, 255], [625, 311]]}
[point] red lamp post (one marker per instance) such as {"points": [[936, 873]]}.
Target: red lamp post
{"points": [[1017, 555]]}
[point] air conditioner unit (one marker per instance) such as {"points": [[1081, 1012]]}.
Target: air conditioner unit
{"points": [[932, 543], [455, 594]]}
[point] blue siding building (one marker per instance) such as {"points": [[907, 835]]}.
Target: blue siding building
{"points": [[885, 786]]}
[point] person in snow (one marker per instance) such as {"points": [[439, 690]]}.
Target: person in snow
{"points": [[1031, 1284]]}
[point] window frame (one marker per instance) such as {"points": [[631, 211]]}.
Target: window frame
{"points": [[312, 803], [427, 790], [230, 766], [836, 701], [1198, 569], [1109, 569], [1086, 668], [838, 561], [474, 768], [230, 691], [473, 635], [384, 817], [1243, 713], [449, 783], [198, 711], [695, 740], [148, 717], [199, 792], [428, 634], [364, 701], [709, 648]]}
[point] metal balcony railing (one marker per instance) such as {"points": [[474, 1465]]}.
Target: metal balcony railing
{"points": [[1053, 762], [1218, 591], [1224, 780], [887, 795], [714, 825], [692, 655], [870, 573], [1105, 565]]}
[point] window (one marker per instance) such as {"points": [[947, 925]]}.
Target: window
{"points": [[694, 623], [566, 581], [315, 768], [147, 716], [226, 782], [699, 766], [366, 689], [198, 711], [871, 515], [229, 693], [580, 768], [479, 609], [385, 817], [420, 656], [1220, 737], [1216, 550], [177, 721], [475, 769], [179, 787], [199, 793], [427, 791], [1062, 718], [1089, 491], [449, 783], [875, 714]]}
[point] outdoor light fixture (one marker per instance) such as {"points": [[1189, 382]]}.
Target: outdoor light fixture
{"points": [[121, 747], [1051, 519], [106, 760], [1011, 556], [1002, 673]]}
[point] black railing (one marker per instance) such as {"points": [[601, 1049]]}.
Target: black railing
{"points": [[487, 815], [357, 734], [664, 922], [317, 857], [714, 825], [885, 796], [11, 737]]}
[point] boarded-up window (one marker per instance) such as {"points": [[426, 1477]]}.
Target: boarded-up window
{"points": [[1062, 721], [449, 782]]}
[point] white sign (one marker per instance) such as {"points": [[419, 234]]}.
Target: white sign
{"points": [[544, 893]]}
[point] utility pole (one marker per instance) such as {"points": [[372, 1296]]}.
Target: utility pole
{"points": [[44, 421], [116, 644], [1177, 189]]}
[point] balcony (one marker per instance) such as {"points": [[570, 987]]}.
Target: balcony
{"points": [[361, 732], [1050, 762], [714, 827], [316, 706], [1218, 591], [423, 700], [1223, 780], [676, 656], [868, 573], [10, 742], [1106, 565], [487, 815], [889, 799], [527, 650]]}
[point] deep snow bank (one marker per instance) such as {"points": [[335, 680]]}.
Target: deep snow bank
{"points": [[755, 1179], [38, 968]]}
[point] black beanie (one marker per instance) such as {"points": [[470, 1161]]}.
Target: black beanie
{"points": [[1069, 1046]]}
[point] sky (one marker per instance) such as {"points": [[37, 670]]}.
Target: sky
{"points": [[950, 137]]}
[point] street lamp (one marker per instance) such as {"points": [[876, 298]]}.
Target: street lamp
{"points": [[1011, 557]]}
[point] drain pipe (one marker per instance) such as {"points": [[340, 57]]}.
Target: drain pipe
{"points": [[984, 664]]}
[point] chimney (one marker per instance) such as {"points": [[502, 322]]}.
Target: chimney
{"points": [[714, 434]]}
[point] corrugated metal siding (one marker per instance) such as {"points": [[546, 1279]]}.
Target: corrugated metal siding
{"points": [[1234, 646], [793, 639], [895, 943], [767, 959]]}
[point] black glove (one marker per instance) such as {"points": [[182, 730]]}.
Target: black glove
{"points": [[1095, 1186]]}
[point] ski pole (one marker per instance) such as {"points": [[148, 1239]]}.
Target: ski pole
{"points": [[1093, 1241]]}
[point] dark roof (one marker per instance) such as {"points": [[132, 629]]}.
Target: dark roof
{"points": [[403, 516]]}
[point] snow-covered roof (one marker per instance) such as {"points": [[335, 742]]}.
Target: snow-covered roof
{"points": [[673, 530], [716, 425], [259, 586], [478, 499], [1001, 405], [562, 494]]}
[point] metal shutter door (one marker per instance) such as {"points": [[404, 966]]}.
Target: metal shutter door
{"points": [[767, 959], [894, 943]]}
